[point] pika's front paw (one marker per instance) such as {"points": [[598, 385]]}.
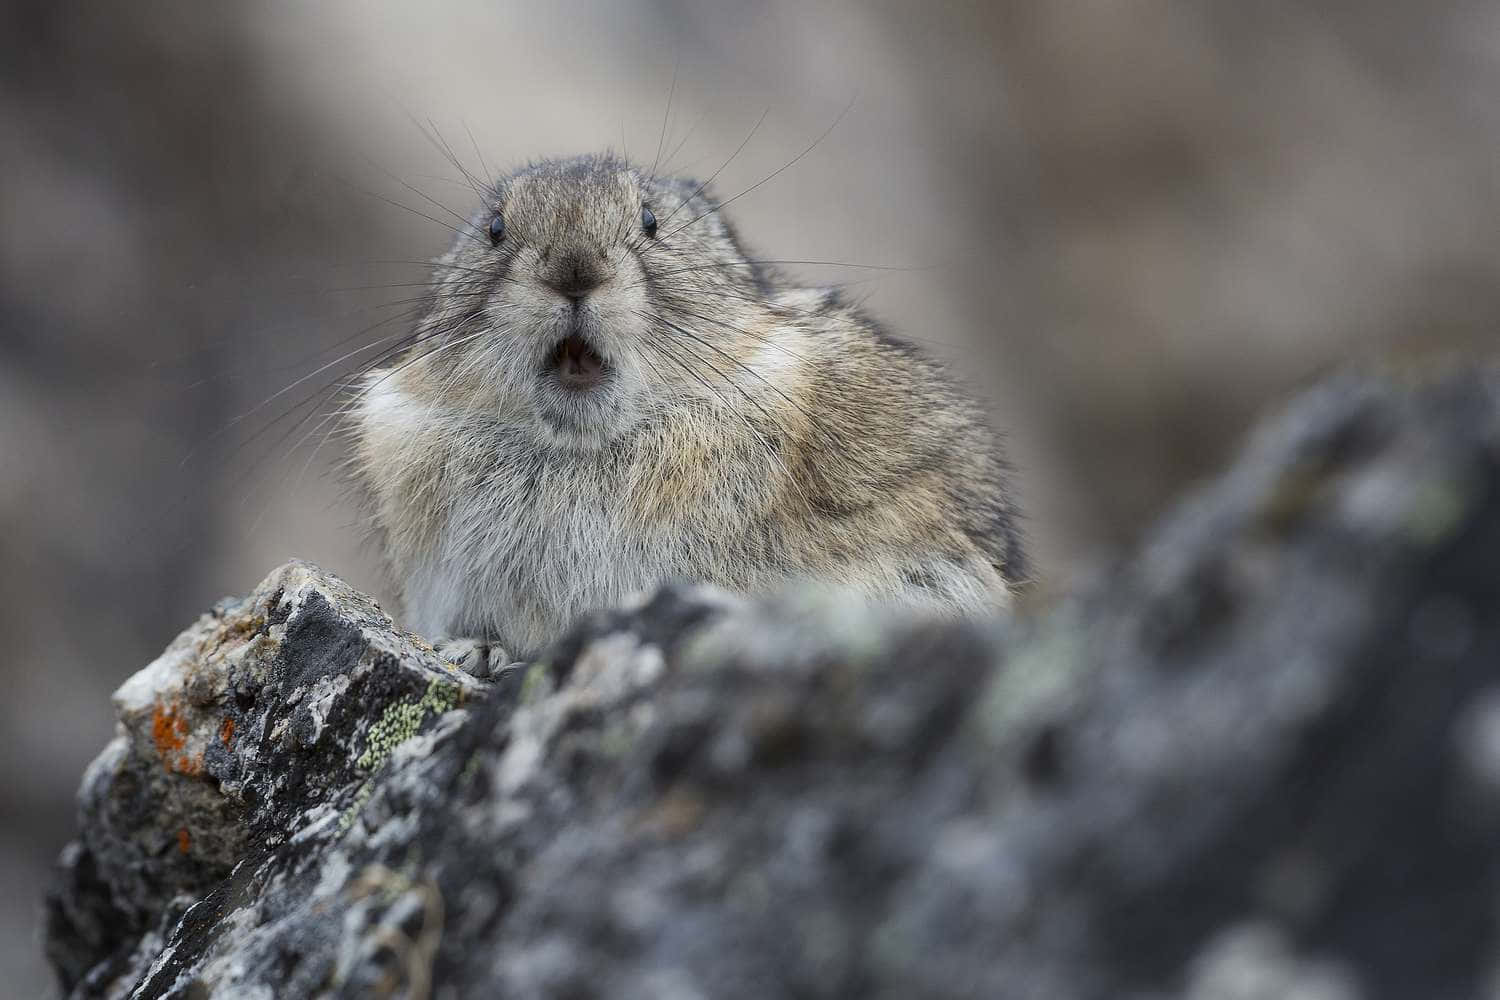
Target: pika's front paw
{"points": [[477, 657]]}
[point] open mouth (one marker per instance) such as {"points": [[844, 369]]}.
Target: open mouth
{"points": [[577, 365]]}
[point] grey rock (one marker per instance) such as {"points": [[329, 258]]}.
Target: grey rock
{"points": [[1261, 759]]}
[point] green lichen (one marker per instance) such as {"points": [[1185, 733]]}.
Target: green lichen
{"points": [[1437, 509], [399, 723], [360, 798], [538, 683], [617, 740], [1038, 681], [403, 720]]}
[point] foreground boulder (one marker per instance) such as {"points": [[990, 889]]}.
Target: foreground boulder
{"points": [[1260, 760]]}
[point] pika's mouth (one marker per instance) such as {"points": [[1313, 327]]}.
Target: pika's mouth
{"points": [[577, 365]]}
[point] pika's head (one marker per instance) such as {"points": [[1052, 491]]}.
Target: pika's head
{"points": [[568, 301]]}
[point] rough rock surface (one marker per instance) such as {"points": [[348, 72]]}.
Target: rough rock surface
{"points": [[1262, 759]]}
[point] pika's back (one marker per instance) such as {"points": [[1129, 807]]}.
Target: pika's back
{"points": [[605, 391]]}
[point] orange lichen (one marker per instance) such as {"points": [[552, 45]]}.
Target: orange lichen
{"points": [[226, 731], [184, 842], [168, 730]]}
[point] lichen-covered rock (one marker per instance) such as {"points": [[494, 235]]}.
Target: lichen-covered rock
{"points": [[1260, 760], [260, 724]]}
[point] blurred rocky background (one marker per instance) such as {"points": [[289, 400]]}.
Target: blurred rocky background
{"points": [[1133, 225]]}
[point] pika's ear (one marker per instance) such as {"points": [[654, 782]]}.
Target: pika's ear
{"points": [[688, 188]]}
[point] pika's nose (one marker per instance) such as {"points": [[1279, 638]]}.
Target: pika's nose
{"points": [[575, 273]]}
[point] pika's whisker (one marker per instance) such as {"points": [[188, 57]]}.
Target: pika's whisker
{"points": [[419, 193], [419, 214], [811, 146], [236, 420], [482, 189], [328, 390], [758, 262], [338, 413], [704, 186], [683, 142], [666, 115], [770, 449], [477, 154]]}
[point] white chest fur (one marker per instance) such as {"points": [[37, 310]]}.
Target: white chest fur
{"points": [[494, 537]]}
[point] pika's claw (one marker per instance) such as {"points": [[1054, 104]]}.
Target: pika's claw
{"points": [[476, 657]]}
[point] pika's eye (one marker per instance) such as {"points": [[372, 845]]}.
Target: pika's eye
{"points": [[648, 221], [497, 229]]}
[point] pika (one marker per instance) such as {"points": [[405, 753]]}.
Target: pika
{"points": [[606, 392]]}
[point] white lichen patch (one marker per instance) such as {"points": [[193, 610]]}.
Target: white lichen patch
{"points": [[1036, 684], [617, 665], [317, 819], [321, 699]]}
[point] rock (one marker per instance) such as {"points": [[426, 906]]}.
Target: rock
{"points": [[1262, 759]]}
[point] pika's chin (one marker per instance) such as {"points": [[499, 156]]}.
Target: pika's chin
{"points": [[582, 418]]}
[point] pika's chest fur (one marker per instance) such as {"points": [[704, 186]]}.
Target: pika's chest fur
{"points": [[498, 538]]}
